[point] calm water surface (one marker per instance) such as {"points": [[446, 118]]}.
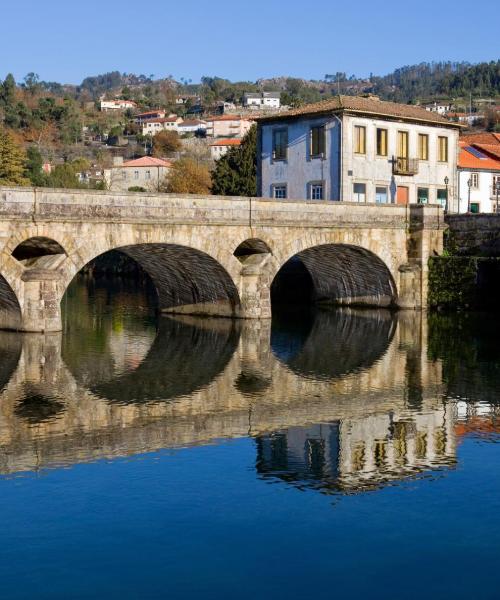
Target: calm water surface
{"points": [[336, 454]]}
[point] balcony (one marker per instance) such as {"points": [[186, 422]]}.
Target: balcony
{"points": [[405, 166]]}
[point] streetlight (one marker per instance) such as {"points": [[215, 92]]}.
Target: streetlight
{"points": [[469, 185], [446, 182]]}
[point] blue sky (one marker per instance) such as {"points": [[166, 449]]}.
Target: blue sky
{"points": [[66, 41]]}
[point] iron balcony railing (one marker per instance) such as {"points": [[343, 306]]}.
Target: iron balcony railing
{"points": [[405, 166]]}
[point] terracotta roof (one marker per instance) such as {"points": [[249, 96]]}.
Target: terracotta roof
{"points": [[151, 112], [191, 123], [226, 118], [491, 149], [227, 142], [467, 159], [363, 105], [147, 161], [481, 138]]}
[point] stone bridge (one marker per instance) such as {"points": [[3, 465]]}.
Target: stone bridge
{"points": [[212, 255]]}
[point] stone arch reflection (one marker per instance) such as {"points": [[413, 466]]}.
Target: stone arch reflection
{"points": [[326, 344], [184, 357], [10, 351]]}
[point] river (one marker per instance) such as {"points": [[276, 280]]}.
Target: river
{"points": [[339, 453]]}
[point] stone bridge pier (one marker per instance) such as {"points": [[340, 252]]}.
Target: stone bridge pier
{"points": [[225, 257]]}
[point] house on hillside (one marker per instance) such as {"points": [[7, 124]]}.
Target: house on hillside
{"points": [[441, 108], [146, 172], [478, 179], [220, 147], [262, 100], [154, 126], [357, 149], [117, 105], [150, 115], [191, 126], [227, 126]]}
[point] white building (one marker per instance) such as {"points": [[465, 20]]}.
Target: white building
{"points": [[478, 180], [110, 105], [150, 115], [262, 100], [227, 126], [154, 126], [441, 108], [358, 149], [191, 126], [146, 172], [221, 147]]}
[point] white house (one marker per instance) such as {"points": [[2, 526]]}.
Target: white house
{"points": [[262, 100], [478, 180], [150, 115], [191, 126], [110, 105], [358, 149], [146, 172], [441, 108], [154, 126], [221, 147]]}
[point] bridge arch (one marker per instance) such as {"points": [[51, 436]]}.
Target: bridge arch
{"points": [[334, 273]]}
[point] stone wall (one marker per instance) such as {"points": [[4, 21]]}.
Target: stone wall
{"points": [[473, 235]]}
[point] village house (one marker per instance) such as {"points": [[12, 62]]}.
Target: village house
{"points": [[468, 119], [441, 108], [154, 126], [191, 126], [478, 178], [111, 105], [146, 172], [150, 115], [221, 147], [227, 126], [262, 100], [358, 149]]}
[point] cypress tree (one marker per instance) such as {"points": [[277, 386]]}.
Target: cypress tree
{"points": [[235, 173]]}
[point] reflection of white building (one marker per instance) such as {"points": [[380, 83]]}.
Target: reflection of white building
{"points": [[362, 452], [129, 348]]}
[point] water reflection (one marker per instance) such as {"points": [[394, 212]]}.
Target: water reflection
{"points": [[338, 401]]}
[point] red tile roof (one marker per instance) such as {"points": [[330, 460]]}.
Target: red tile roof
{"points": [[491, 149], [363, 105], [481, 138], [164, 120], [147, 161], [227, 142], [226, 118], [467, 159]]}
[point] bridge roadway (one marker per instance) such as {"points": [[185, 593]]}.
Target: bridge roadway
{"points": [[393, 421], [211, 255]]}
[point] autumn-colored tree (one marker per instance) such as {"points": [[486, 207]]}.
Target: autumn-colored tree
{"points": [[165, 143], [12, 161], [186, 176]]}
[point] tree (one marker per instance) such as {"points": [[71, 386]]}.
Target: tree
{"points": [[165, 143], [63, 176], [34, 165], [186, 176], [12, 161], [235, 173]]}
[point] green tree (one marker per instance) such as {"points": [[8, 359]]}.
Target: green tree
{"points": [[235, 173], [64, 176], [12, 161], [34, 163]]}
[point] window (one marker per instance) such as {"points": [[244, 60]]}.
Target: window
{"points": [[474, 207], [359, 190], [280, 144], [381, 196], [403, 144], [136, 174], [441, 197], [318, 141], [474, 180], [442, 149], [359, 139], [124, 175], [381, 142], [423, 146], [423, 195], [316, 191], [496, 182], [148, 174], [279, 191]]}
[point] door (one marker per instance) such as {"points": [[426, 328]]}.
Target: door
{"points": [[402, 195]]}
